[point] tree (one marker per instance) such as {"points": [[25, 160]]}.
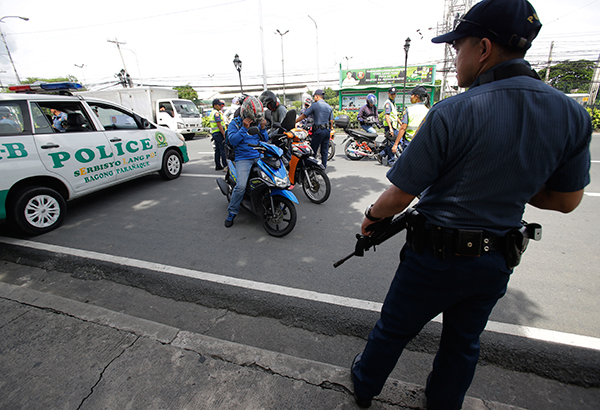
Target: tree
{"points": [[67, 79], [570, 76], [331, 97], [186, 92]]}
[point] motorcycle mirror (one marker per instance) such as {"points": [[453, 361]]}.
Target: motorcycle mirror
{"points": [[253, 130]]}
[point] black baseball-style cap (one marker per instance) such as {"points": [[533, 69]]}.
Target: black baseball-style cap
{"points": [[419, 90], [512, 23], [392, 90], [216, 101]]}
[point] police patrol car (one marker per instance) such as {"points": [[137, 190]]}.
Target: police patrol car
{"points": [[46, 160]]}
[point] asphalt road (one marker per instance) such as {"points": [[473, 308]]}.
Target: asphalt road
{"points": [[180, 223]]}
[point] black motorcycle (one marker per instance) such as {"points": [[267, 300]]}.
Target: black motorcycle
{"points": [[361, 144]]}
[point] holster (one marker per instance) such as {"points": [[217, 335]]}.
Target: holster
{"points": [[416, 232], [515, 245]]}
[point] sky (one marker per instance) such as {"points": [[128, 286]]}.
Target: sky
{"points": [[194, 41]]}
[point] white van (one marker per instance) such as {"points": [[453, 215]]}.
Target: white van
{"points": [[54, 148]]}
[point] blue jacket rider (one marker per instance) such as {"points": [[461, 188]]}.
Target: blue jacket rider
{"points": [[251, 114]]}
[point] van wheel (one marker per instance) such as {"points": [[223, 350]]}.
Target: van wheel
{"points": [[37, 210], [172, 165]]}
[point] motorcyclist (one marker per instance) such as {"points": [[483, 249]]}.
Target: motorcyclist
{"points": [[308, 121], [270, 101], [251, 114], [368, 115]]}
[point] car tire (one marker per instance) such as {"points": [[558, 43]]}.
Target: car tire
{"points": [[37, 210], [172, 165]]}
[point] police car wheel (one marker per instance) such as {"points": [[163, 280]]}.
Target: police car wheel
{"points": [[172, 165], [37, 210]]}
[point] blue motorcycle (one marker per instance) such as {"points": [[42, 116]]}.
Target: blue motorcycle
{"points": [[267, 192]]}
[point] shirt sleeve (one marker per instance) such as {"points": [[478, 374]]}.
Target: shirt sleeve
{"points": [[573, 174]]}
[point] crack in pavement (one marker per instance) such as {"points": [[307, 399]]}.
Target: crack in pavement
{"points": [[106, 368]]}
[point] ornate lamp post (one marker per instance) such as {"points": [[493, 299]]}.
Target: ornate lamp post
{"points": [[6, 45], [406, 47], [238, 66]]}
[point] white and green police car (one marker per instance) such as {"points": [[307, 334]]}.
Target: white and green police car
{"points": [[48, 158]]}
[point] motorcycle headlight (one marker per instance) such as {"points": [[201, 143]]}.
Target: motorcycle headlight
{"points": [[282, 182]]}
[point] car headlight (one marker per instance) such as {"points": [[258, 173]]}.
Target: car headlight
{"points": [[180, 125]]}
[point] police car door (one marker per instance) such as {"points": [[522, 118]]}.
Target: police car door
{"points": [[135, 147], [80, 154]]}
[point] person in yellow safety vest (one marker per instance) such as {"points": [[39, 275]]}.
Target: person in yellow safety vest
{"points": [[390, 123], [217, 129], [413, 117]]}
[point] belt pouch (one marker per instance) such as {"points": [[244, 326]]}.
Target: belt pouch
{"points": [[468, 242]]}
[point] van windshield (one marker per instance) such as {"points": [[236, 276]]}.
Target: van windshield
{"points": [[186, 108]]}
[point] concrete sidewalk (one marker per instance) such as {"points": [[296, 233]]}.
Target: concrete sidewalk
{"points": [[57, 353]]}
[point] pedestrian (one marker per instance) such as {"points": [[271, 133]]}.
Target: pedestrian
{"points": [[217, 130], [230, 112], [323, 117], [413, 117], [368, 115], [251, 114], [479, 158], [390, 123], [59, 119]]}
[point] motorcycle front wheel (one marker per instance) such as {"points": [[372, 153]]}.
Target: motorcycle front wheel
{"points": [[316, 185], [352, 145], [280, 219]]}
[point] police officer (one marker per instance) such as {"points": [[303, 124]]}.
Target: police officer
{"points": [[323, 116], [217, 130], [458, 258], [413, 117]]}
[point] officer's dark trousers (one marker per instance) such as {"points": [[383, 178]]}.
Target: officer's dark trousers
{"points": [[220, 159], [465, 289], [320, 141]]}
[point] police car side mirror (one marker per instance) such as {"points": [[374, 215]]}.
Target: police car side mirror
{"points": [[145, 123]]}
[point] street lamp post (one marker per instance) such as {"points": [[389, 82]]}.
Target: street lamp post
{"points": [[238, 66], [347, 59], [6, 45], [282, 68], [406, 47], [318, 71]]}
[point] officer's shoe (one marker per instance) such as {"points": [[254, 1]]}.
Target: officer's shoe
{"points": [[362, 403], [229, 220]]}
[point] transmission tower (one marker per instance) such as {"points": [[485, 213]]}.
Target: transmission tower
{"points": [[453, 9]]}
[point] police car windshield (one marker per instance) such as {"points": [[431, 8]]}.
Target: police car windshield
{"points": [[186, 108]]}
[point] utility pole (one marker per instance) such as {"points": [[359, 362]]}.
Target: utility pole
{"points": [[118, 43], [262, 46], [453, 9], [595, 83], [282, 68], [549, 63]]}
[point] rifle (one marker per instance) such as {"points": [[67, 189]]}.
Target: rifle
{"points": [[382, 231]]}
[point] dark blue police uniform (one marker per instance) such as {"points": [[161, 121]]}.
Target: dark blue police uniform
{"points": [[479, 158], [323, 115]]}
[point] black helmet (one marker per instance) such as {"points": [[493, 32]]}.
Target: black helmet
{"points": [[268, 99]]}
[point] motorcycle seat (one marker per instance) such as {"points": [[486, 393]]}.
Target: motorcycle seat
{"points": [[364, 134]]}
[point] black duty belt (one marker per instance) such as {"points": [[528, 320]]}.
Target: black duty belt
{"points": [[462, 242], [322, 126]]}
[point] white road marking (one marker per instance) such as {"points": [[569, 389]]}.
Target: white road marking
{"points": [[592, 193], [498, 327], [203, 175]]}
